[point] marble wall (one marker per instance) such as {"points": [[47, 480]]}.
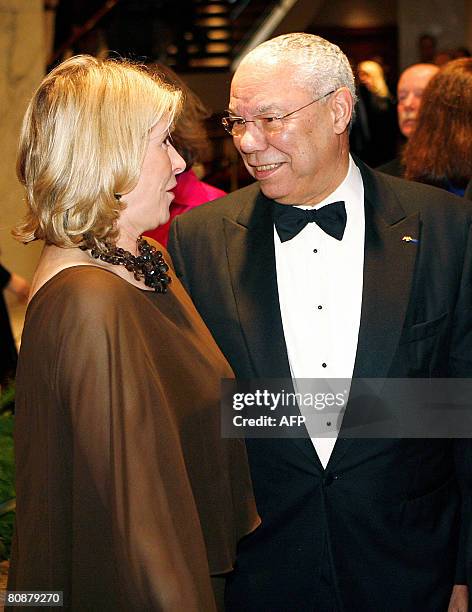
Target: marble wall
{"points": [[449, 22], [22, 63], [357, 14]]}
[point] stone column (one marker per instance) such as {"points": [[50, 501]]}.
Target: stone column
{"points": [[22, 64]]}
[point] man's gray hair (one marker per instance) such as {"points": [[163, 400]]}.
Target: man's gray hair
{"points": [[323, 67]]}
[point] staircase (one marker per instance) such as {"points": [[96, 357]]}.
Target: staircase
{"points": [[215, 33], [189, 35]]}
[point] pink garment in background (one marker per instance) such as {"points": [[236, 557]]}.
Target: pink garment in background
{"points": [[189, 192]]}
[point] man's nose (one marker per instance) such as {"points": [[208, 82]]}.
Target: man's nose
{"points": [[252, 139], [410, 101]]}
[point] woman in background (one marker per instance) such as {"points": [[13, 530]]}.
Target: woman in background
{"points": [[439, 152], [127, 496], [375, 130], [190, 139]]}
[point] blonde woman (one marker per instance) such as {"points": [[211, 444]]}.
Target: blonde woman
{"points": [[127, 498], [376, 127], [371, 75]]}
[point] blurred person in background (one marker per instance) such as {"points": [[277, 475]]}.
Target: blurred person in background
{"points": [[459, 52], [19, 287], [410, 89], [371, 75], [190, 139], [127, 496], [374, 133], [427, 45], [439, 152], [443, 56]]}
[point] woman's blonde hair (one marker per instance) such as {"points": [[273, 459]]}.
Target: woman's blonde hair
{"points": [[83, 141], [377, 82]]}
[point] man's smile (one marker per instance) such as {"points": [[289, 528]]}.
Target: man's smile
{"points": [[267, 167]]}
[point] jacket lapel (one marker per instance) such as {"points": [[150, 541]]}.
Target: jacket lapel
{"points": [[251, 260], [389, 262]]}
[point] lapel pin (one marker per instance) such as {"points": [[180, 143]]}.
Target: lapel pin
{"points": [[410, 239]]}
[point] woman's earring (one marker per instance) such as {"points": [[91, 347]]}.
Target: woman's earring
{"points": [[117, 196]]}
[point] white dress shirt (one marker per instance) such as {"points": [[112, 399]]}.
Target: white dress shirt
{"points": [[320, 292]]}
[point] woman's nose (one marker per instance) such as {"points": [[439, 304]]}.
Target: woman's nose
{"points": [[177, 161]]}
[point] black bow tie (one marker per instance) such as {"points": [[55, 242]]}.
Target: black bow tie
{"points": [[289, 220]]}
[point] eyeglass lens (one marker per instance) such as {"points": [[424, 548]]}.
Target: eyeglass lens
{"points": [[270, 125]]}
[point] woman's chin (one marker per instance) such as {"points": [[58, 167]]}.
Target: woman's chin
{"points": [[162, 220]]}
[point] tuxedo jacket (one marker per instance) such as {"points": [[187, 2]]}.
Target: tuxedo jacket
{"points": [[393, 167], [390, 517]]}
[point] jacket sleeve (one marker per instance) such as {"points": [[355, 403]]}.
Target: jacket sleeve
{"points": [[5, 276], [178, 258], [460, 365]]}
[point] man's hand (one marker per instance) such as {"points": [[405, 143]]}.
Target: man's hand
{"points": [[19, 286], [459, 601]]}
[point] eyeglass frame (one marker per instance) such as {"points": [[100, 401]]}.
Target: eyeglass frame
{"points": [[267, 119]]}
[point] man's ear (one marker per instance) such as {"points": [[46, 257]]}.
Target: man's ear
{"points": [[341, 107]]}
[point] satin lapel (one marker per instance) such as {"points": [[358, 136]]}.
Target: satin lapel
{"points": [[389, 262], [251, 261]]}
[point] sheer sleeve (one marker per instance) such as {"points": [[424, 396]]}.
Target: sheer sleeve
{"points": [[133, 511]]}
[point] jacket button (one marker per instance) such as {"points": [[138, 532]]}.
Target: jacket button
{"points": [[328, 480]]}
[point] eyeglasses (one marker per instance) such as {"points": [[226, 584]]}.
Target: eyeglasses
{"points": [[269, 125]]}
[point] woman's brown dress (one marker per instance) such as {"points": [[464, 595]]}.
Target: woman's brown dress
{"points": [[127, 496]]}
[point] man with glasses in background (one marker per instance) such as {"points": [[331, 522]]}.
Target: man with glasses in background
{"points": [[325, 269]]}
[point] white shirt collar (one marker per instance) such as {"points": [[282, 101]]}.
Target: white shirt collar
{"points": [[348, 190]]}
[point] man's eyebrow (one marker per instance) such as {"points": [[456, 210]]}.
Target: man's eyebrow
{"points": [[260, 110], [267, 108]]}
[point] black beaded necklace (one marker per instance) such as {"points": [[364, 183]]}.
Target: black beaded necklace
{"points": [[148, 265]]}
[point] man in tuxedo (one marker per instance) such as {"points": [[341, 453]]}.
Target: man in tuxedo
{"points": [[324, 268]]}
